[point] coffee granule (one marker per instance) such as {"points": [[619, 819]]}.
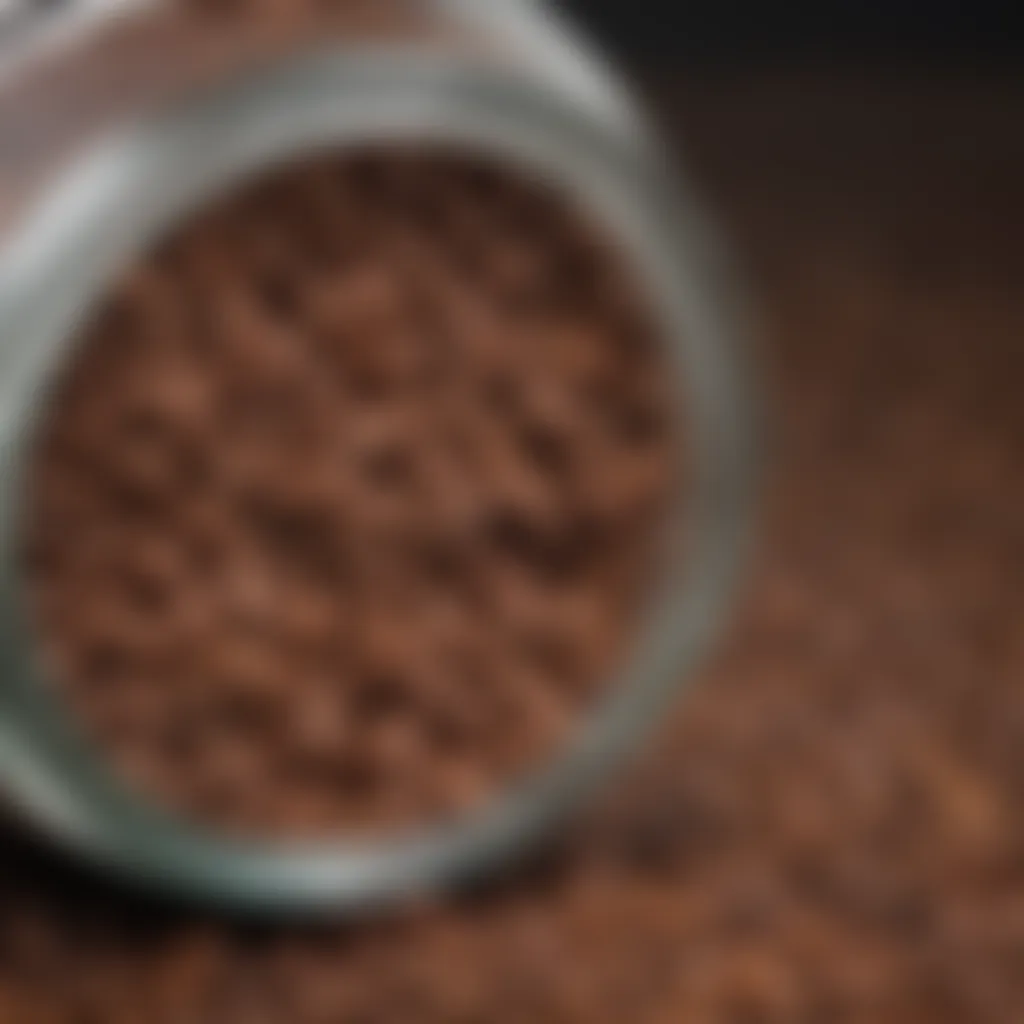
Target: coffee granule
{"points": [[342, 514]]}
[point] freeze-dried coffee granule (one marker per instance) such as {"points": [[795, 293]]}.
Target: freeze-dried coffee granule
{"points": [[343, 512]]}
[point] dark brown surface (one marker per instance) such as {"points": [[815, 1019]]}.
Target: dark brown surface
{"points": [[343, 509], [833, 830]]}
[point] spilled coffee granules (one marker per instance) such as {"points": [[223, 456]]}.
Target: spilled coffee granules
{"points": [[344, 510]]}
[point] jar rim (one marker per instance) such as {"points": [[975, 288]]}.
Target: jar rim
{"points": [[110, 207]]}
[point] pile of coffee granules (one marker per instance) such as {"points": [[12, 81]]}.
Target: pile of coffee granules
{"points": [[833, 830], [343, 511]]}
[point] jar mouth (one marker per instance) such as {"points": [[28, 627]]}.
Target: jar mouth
{"points": [[124, 196]]}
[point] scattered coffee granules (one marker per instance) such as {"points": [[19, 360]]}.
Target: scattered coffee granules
{"points": [[833, 829], [343, 512]]}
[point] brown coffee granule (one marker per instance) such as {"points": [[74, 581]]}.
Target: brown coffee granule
{"points": [[345, 506]]}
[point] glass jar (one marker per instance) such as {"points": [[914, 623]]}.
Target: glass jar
{"points": [[119, 119]]}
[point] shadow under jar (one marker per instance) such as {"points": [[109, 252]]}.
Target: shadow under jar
{"points": [[347, 406]]}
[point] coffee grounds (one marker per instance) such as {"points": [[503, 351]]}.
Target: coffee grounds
{"points": [[833, 828], [343, 511]]}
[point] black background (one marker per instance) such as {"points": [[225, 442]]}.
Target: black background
{"points": [[763, 30]]}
